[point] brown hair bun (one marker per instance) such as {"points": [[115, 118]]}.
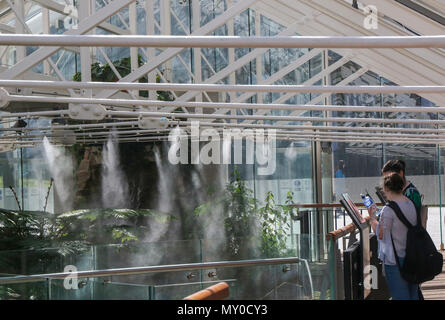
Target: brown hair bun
{"points": [[393, 182]]}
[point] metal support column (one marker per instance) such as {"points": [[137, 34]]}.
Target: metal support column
{"points": [[166, 30], [440, 197], [150, 25], [197, 70], [20, 28], [134, 51], [85, 52], [45, 29], [232, 79], [258, 59], [317, 230]]}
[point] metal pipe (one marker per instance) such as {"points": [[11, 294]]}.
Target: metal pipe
{"points": [[173, 116], [136, 133], [140, 135], [278, 133], [271, 117], [280, 137], [134, 124], [142, 132], [93, 125], [34, 114], [297, 137], [162, 41], [440, 197], [148, 269], [346, 138], [318, 128], [226, 105], [218, 87]]}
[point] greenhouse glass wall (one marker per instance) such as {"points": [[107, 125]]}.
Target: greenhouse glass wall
{"points": [[101, 177]]}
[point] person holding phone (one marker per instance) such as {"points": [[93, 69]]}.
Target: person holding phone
{"points": [[409, 189], [369, 202], [389, 228]]}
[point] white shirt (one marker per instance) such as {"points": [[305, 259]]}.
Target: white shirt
{"points": [[393, 226]]}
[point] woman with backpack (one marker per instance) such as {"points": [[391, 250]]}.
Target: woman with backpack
{"points": [[392, 235]]}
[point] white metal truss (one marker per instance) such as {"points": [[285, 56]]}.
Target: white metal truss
{"points": [[171, 52], [392, 64], [414, 62], [84, 26], [337, 18]]}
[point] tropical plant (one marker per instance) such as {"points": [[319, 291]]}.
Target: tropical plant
{"points": [[252, 230], [25, 229], [275, 220], [35, 229], [247, 222], [69, 233], [108, 226]]}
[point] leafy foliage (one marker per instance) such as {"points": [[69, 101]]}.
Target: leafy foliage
{"points": [[74, 230], [247, 222], [107, 226], [26, 229], [253, 229], [69, 233], [276, 221]]}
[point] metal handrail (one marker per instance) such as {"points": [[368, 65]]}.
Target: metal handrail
{"points": [[325, 205], [219, 291], [148, 269], [162, 41], [337, 234]]}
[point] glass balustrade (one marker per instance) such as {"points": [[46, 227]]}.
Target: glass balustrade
{"points": [[307, 279]]}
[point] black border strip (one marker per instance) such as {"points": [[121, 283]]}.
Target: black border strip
{"points": [[422, 10]]}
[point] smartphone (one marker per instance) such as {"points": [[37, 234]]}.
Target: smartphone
{"points": [[379, 192]]}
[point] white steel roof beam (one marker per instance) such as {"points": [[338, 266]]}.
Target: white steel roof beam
{"points": [[61, 9], [420, 65], [83, 26], [384, 66], [210, 87], [174, 116], [311, 80], [226, 105], [134, 124], [334, 15], [142, 132], [433, 5], [139, 136], [319, 98], [276, 76], [230, 69], [6, 28], [292, 42], [279, 137], [410, 18], [171, 52]]}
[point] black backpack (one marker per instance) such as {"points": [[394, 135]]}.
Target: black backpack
{"points": [[422, 261]]}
